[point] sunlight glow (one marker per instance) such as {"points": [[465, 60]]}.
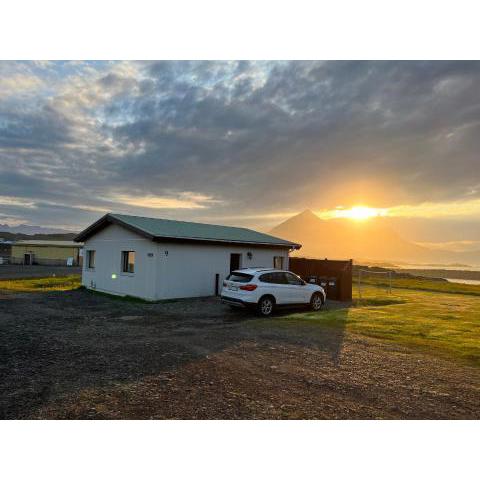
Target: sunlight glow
{"points": [[358, 212], [466, 208]]}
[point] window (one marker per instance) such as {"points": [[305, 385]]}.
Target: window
{"points": [[239, 277], [128, 262], [274, 277], [266, 278], [293, 279], [278, 262], [90, 258]]}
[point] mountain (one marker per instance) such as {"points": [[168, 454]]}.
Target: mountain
{"points": [[371, 239], [31, 229], [11, 237]]}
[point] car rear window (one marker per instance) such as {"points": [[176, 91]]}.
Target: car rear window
{"points": [[239, 277]]}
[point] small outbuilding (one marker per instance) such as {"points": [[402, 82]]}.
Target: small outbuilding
{"points": [[5, 250], [46, 252], [158, 259]]}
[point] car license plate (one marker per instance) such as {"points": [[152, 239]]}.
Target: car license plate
{"points": [[233, 288]]}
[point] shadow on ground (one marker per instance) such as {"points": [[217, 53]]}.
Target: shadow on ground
{"points": [[57, 343], [308, 329]]}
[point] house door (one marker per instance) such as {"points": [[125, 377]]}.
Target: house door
{"points": [[235, 261], [27, 259]]}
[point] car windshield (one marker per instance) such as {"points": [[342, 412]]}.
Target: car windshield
{"points": [[239, 277]]}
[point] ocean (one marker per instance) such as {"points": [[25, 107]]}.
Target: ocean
{"points": [[462, 280]]}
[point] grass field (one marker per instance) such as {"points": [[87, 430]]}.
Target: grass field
{"points": [[46, 284], [443, 323], [422, 284]]}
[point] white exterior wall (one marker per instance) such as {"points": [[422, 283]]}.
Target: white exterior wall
{"points": [[189, 269], [176, 270], [108, 245]]}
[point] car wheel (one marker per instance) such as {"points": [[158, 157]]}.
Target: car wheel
{"points": [[316, 302], [265, 306]]}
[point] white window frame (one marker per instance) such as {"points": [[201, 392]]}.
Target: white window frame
{"points": [[282, 262], [123, 264]]}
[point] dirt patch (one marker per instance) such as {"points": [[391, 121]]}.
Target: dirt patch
{"points": [[271, 381], [78, 355]]}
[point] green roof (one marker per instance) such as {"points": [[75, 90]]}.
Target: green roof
{"points": [[188, 231]]}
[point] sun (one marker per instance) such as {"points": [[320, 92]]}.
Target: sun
{"points": [[360, 212]]}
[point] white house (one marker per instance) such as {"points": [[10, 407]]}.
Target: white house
{"points": [[158, 259]]}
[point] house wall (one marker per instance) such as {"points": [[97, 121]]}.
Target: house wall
{"points": [[189, 270], [107, 275], [44, 255], [164, 270]]}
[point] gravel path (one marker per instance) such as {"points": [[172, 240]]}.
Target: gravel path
{"points": [[80, 355]]}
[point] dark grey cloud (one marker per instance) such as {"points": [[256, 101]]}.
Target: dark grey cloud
{"points": [[255, 136]]}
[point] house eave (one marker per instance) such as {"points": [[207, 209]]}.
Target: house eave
{"points": [[159, 239], [110, 219]]}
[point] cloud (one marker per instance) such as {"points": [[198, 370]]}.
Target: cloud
{"points": [[465, 208], [185, 200], [15, 201], [258, 138], [18, 84]]}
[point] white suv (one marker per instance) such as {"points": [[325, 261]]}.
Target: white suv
{"points": [[267, 288]]}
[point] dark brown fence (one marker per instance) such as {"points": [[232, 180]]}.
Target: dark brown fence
{"points": [[334, 275]]}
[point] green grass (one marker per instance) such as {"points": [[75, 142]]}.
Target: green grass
{"points": [[422, 284], [443, 324], [123, 298], [47, 284]]}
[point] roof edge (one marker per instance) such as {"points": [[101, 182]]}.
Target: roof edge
{"points": [[58, 243], [214, 241], [110, 218]]}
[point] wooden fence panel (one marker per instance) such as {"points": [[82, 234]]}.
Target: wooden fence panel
{"points": [[340, 270]]}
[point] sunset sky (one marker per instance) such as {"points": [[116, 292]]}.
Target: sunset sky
{"points": [[243, 143]]}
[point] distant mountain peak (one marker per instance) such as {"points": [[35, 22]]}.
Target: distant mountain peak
{"points": [[307, 214], [346, 238], [305, 217], [31, 229]]}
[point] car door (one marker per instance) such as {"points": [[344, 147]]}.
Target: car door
{"points": [[275, 283], [297, 292]]}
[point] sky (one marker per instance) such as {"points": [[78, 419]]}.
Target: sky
{"points": [[242, 143]]}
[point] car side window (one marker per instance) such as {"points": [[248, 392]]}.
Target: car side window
{"points": [[279, 278], [266, 278], [293, 279], [273, 277]]}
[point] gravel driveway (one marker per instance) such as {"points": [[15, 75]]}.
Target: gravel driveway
{"points": [[80, 355]]}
